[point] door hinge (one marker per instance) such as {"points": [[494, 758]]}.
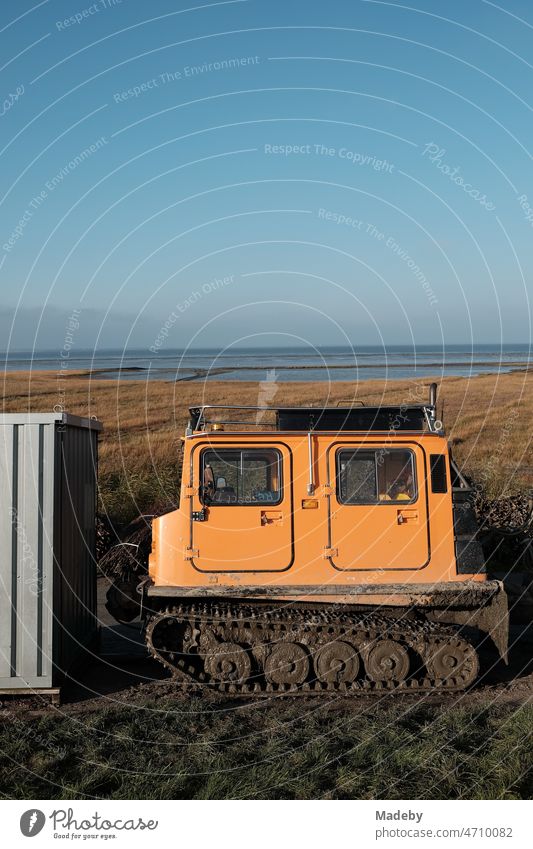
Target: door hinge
{"points": [[199, 515], [330, 552], [189, 491], [190, 553], [326, 490]]}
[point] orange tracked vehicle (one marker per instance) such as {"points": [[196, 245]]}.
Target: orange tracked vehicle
{"points": [[319, 549]]}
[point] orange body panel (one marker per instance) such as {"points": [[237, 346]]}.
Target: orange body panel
{"points": [[308, 538]]}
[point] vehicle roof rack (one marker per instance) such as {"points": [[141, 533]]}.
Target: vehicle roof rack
{"points": [[414, 417]]}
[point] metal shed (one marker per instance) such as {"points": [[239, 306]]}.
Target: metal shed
{"points": [[48, 479]]}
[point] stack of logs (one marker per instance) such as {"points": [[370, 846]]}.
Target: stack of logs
{"points": [[124, 562], [506, 531]]}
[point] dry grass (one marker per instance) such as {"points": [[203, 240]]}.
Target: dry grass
{"points": [[488, 419], [166, 749]]}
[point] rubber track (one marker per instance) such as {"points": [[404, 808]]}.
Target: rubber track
{"points": [[312, 626]]}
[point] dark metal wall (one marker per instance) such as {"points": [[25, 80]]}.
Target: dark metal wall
{"points": [[75, 622]]}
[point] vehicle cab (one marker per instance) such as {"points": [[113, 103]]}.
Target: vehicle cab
{"points": [[316, 497]]}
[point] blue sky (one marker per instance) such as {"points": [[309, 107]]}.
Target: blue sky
{"points": [[266, 172]]}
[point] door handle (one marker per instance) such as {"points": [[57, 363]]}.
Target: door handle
{"points": [[405, 516], [271, 517]]}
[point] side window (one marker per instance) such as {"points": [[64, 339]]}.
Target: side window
{"points": [[357, 477], [373, 476], [241, 477], [438, 473]]}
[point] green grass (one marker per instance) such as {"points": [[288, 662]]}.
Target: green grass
{"points": [[200, 750], [124, 496]]}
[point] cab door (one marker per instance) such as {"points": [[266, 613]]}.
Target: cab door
{"points": [[378, 516], [241, 513]]}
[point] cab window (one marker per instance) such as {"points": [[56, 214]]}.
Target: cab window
{"points": [[375, 476], [241, 477]]}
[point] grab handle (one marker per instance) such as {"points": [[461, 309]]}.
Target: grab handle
{"points": [[405, 516]]}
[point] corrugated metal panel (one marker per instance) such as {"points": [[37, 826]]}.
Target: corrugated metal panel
{"points": [[47, 538], [77, 568], [8, 543]]}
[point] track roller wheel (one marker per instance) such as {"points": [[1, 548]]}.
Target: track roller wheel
{"points": [[337, 662], [387, 660], [229, 662], [455, 659], [287, 663]]}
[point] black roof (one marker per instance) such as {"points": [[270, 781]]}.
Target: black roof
{"points": [[383, 419], [350, 418]]}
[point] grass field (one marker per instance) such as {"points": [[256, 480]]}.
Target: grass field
{"points": [[488, 419], [174, 748], [171, 750]]}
